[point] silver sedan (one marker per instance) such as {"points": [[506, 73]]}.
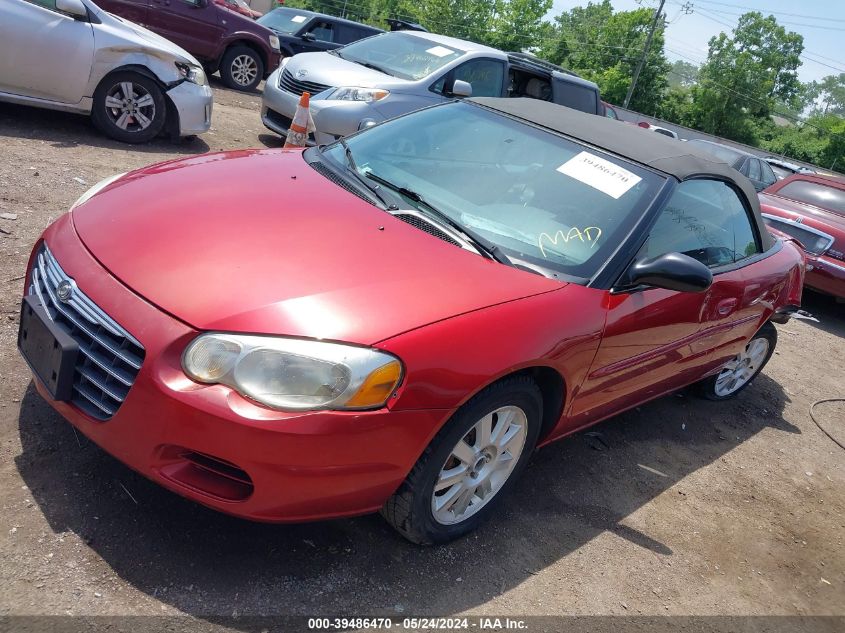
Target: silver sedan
{"points": [[71, 55]]}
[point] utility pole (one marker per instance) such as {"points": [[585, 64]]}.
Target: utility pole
{"points": [[646, 48]]}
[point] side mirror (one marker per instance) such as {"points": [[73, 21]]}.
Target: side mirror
{"points": [[461, 89], [672, 271], [308, 37], [72, 7]]}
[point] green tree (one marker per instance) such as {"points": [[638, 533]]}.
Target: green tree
{"points": [[605, 46], [831, 92], [745, 75], [682, 74]]}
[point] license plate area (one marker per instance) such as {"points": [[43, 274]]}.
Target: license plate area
{"points": [[49, 351]]}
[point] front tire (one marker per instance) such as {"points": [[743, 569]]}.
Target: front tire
{"points": [[741, 371], [129, 107], [241, 68], [470, 464]]}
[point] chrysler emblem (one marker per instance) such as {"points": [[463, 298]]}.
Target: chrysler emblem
{"points": [[301, 73], [64, 290]]}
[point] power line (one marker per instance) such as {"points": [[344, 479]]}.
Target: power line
{"points": [[794, 15], [784, 22], [802, 55]]}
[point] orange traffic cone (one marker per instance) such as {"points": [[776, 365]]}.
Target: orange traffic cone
{"points": [[302, 123]]}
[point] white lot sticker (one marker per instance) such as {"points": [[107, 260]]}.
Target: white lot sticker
{"points": [[439, 51], [298, 18], [600, 174]]}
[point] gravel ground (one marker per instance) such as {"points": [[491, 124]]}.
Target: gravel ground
{"points": [[689, 508]]}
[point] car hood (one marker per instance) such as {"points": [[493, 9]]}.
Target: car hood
{"points": [[331, 70], [133, 34], [259, 241]]}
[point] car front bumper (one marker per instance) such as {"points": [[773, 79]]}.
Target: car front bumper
{"points": [[209, 444], [332, 119], [194, 104]]}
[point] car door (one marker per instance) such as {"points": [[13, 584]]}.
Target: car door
{"points": [[318, 35], [132, 10], [658, 340], [44, 53], [739, 296], [195, 25]]}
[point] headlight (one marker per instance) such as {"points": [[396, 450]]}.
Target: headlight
{"points": [[193, 73], [93, 191], [358, 94], [294, 374], [274, 43]]}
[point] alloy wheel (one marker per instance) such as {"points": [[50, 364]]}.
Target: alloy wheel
{"points": [[741, 369], [479, 465], [130, 106], [244, 70]]}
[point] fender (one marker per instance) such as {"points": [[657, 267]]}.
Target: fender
{"points": [[477, 363]]}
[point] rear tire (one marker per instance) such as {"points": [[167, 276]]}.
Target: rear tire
{"points": [[129, 107], [742, 370], [470, 465], [241, 68]]}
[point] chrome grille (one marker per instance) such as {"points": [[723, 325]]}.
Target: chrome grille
{"points": [[289, 83], [109, 358]]}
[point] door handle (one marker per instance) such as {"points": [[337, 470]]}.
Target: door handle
{"points": [[726, 306]]}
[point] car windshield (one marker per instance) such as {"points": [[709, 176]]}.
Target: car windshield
{"points": [[817, 194], [400, 54], [544, 199], [284, 20]]}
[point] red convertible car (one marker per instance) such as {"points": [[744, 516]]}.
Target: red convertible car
{"points": [[811, 209], [397, 320]]}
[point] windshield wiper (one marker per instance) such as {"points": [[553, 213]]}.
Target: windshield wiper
{"points": [[373, 67], [353, 168], [484, 246]]}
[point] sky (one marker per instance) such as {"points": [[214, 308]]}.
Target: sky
{"points": [[821, 22]]}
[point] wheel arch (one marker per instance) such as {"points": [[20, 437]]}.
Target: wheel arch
{"points": [[241, 40], [552, 388], [171, 121]]}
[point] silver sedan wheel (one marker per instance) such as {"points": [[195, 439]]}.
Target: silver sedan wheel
{"points": [[130, 107], [244, 70], [479, 465], [742, 368]]}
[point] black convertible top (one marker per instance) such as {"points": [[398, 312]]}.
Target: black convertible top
{"points": [[662, 153]]}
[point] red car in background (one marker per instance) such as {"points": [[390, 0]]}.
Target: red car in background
{"points": [[811, 208], [405, 315]]}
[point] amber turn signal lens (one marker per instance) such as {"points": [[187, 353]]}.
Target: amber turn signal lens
{"points": [[378, 386]]}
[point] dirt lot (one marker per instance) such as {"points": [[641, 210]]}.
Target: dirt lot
{"points": [[694, 508]]}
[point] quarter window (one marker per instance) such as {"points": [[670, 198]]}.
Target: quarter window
{"points": [[706, 220]]}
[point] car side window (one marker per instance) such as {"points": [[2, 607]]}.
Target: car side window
{"points": [[754, 169], [768, 173], [486, 76], [345, 34], [47, 4], [323, 31], [707, 220]]}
